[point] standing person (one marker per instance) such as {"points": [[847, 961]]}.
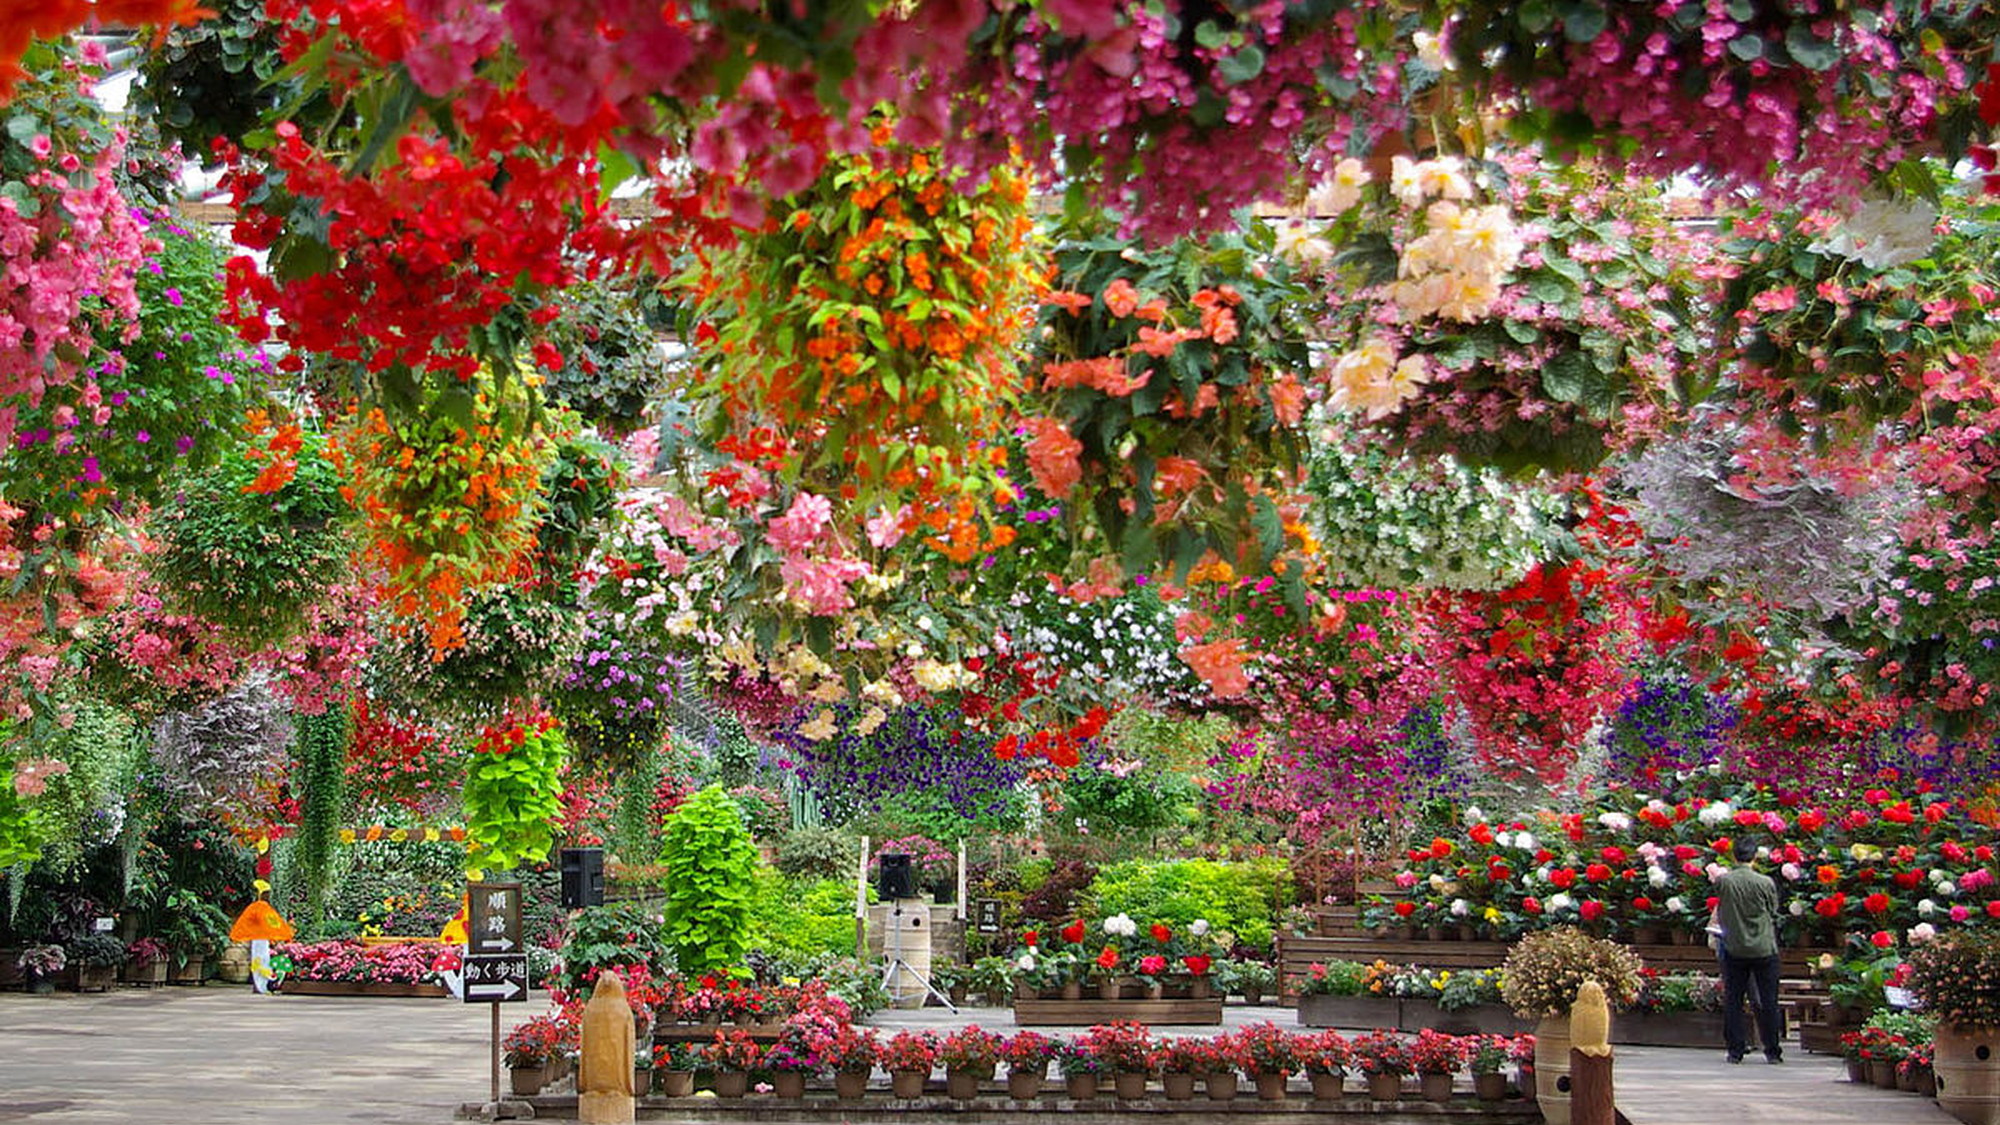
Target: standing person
{"points": [[1746, 908]]}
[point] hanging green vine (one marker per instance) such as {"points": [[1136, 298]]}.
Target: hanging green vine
{"points": [[511, 794], [322, 757]]}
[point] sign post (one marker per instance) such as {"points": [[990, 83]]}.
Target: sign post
{"points": [[496, 963], [987, 913]]}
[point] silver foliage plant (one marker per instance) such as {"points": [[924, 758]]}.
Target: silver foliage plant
{"points": [[217, 759], [1805, 546]]}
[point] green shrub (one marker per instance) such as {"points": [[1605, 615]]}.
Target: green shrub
{"points": [[802, 919], [711, 883], [620, 933], [1241, 898], [818, 853]]}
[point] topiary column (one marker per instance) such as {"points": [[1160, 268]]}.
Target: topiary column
{"points": [[711, 880]]}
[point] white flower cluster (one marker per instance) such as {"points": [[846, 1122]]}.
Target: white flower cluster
{"points": [[1389, 521], [1884, 233], [1111, 649], [1454, 269], [1120, 925]]}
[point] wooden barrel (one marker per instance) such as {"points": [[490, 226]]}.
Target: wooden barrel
{"points": [[1552, 1069], [1967, 1063], [906, 935]]}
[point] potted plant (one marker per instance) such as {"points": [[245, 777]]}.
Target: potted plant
{"points": [[1486, 1059], [1153, 974], [1954, 976], [1324, 1059], [1267, 1053], [1226, 1068], [642, 1071], [1850, 1053], [1081, 1068], [94, 959], [195, 929], [1027, 1055], [1201, 985], [1384, 1058], [851, 1053], [790, 1062], [732, 1055], [40, 965], [1126, 1050], [146, 961], [1104, 970], [1437, 1057], [1917, 1069], [528, 1051], [952, 979], [968, 1055], [1541, 977], [993, 978], [673, 1070], [1248, 979], [908, 1056], [1180, 1062]]}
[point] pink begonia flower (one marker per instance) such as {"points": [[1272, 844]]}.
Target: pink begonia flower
{"points": [[1960, 913], [885, 529], [821, 584], [798, 527]]}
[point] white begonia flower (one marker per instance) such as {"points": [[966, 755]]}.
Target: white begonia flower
{"points": [[1504, 839], [1676, 904], [1947, 888], [1921, 933], [1797, 907], [1430, 51], [1616, 821], [1119, 925], [1714, 871], [1199, 927], [1939, 875], [1026, 963], [1298, 240], [1927, 907], [1717, 813], [1460, 908], [1658, 877], [1436, 881], [1525, 841], [1790, 871], [1560, 901], [1884, 233]]}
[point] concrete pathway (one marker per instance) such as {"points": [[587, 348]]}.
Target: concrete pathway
{"points": [[222, 1056]]}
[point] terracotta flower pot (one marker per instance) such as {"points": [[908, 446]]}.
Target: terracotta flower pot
{"points": [[1906, 1079], [1489, 1087], [642, 1081], [1434, 1087], [1857, 1070], [1328, 1087], [675, 1083], [1072, 990], [1385, 1087], [1253, 994], [850, 1085], [1178, 1087], [907, 1083], [1220, 1084], [527, 1080], [962, 1085], [732, 1083], [1023, 1085], [789, 1083], [1108, 989], [1080, 1087], [1271, 1087], [1129, 1085]]}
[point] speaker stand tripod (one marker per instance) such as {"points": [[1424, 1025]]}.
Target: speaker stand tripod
{"points": [[892, 948]]}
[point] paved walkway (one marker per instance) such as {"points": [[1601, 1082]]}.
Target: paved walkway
{"points": [[221, 1056]]}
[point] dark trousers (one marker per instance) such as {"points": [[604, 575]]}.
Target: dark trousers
{"points": [[1739, 975]]}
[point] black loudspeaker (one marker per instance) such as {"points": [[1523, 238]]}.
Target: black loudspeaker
{"points": [[582, 878], [896, 879]]}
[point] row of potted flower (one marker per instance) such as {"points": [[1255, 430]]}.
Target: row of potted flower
{"points": [[1117, 955], [1455, 989], [1893, 1052], [349, 960], [1643, 867], [91, 962], [1124, 1056]]}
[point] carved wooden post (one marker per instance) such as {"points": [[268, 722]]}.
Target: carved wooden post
{"points": [[604, 1071], [1591, 1100]]}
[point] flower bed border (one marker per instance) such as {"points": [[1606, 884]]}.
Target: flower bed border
{"points": [[1086, 1013], [1631, 1029], [879, 1106]]}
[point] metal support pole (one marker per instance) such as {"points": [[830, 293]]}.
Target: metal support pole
{"points": [[496, 1054]]}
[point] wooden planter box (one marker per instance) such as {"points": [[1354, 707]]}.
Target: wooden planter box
{"points": [[1085, 1013], [153, 974], [1366, 1012], [191, 973], [90, 978], [361, 988], [1669, 1029]]}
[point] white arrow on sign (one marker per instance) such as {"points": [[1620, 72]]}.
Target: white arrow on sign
{"points": [[497, 991], [489, 944]]}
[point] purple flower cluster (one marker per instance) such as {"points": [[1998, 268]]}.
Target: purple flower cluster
{"points": [[916, 761]]}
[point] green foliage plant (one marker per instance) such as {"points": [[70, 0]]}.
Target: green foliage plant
{"points": [[321, 752], [801, 919], [1241, 898], [817, 853], [619, 933], [711, 883], [511, 788]]}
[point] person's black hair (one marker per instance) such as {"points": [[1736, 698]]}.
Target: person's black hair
{"points": [[1745, 849]]}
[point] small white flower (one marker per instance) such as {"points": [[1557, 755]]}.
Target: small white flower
{"points": [[1947, 888], [1026, 963], [1525, 841], [1473, 816], [1797, 907], [1927, 907], [1560, 901], [1717, 813], [1922, 932], [1460, 908], [1199, 927], [1504, 839], [1658, 877], [1616, 821], [1119, 925], [1676, 904]]}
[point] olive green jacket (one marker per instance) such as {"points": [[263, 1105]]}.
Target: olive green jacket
{"points": [[1747, 907]]}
